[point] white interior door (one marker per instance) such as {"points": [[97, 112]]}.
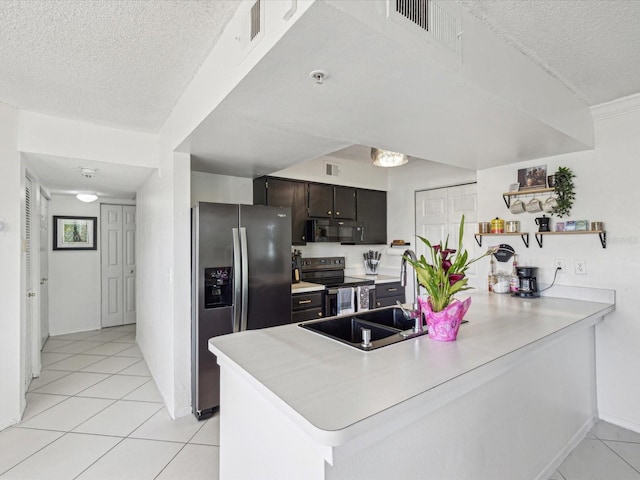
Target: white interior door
{"points": [[44, 269], [129, 259], [118, 240], [438, 214], [111, 259], [463, 200]]}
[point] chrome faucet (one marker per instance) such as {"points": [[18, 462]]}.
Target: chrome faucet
{"points": [[403, 275]]}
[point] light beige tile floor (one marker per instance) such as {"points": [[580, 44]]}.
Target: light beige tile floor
{"points": [[96, 413], [608, 452]]}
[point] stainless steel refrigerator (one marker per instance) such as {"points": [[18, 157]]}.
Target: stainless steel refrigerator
{"points": [[240, 280]]}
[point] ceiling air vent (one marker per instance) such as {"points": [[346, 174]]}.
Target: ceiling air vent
{"points": [[252, 27], [415, 10], [332, 169], [434, 21], [255, 20]]}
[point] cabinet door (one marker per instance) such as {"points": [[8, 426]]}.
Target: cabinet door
{"points": [[372, 212], [289, 193], [280, 192], [320, 200], [344, 202]]}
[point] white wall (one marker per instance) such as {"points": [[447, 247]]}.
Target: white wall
{"points": [[49, 135], [154, 234], [353, 173], [75, 276], [606, 185], [11, 399], [208, 187]]}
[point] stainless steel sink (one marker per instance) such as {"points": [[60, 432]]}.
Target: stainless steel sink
{"points": [[387, 325]]}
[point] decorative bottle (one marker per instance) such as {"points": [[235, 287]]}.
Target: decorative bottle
{"points": [[514, 281]]}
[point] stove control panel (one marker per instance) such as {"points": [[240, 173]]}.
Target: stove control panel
{"points": [[323, 263]]}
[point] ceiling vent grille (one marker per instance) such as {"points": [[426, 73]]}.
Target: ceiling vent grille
{"points": [[433, 20], [415, 10], [444, 27], [255, 20], [332, 169]]}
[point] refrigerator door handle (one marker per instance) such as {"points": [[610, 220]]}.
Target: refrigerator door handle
{"points": [[245, 279], [237, 279]]}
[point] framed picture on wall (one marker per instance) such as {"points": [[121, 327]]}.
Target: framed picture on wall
{"points": [[532, 177], [75, 233]]}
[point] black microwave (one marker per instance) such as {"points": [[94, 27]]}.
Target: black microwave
{"points": [[329, 230]]}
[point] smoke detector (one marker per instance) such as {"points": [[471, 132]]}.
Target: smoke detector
{"points": [[88, 172]]}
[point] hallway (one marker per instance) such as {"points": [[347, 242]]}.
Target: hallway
{"points": [[95, 412]]}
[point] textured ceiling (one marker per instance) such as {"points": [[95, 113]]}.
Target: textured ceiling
{"points": [[592, 46], [125, 63], [121, 63]]}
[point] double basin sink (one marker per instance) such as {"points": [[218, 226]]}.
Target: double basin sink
{"points": [[387, 326]]}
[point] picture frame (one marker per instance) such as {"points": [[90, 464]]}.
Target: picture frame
{"points": [[75, 233], [532, 177], [514, 187]]}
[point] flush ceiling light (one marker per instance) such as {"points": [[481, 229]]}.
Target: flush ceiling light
{"points": [[87, 197], [386, 158]]}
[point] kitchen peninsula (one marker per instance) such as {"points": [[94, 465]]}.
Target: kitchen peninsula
{"points": [[508, 399]]}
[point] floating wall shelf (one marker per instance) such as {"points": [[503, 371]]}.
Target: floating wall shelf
{"points": [[523, 235], [601, 233]]}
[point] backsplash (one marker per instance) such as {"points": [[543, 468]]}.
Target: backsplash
{"points": [[354, 261]]}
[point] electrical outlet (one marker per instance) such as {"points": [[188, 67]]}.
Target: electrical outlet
{"points": [[559, 264], [580, 266]]}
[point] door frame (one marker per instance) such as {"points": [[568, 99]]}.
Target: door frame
{"points": [[31, 360], [471, 248], [43, 284]]}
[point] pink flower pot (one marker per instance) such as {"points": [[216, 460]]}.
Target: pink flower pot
{"points": [[443, 326]]}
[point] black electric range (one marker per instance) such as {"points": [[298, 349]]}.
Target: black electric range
{"points": [[329, 271]]}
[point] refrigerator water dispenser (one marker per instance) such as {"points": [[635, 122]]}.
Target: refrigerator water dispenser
{"points": [[218, 287]]}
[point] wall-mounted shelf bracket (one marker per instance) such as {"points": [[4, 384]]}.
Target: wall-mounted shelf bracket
{"points": [[522, 193], [601, 233], [523, 235]]}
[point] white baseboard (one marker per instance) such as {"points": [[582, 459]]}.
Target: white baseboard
{"points": [[634, 427], [573, 443]]}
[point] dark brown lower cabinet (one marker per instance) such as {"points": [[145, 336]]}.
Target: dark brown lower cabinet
{"points": [[306, 306], [387, 294]]}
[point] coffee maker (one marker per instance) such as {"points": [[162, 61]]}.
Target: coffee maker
{"points": [[527, 282]]}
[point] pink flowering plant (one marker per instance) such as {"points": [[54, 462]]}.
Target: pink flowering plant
{"points": [[443, 275]]}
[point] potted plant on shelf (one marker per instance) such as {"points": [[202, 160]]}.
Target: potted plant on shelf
{"points": [[563, 189], [443, 276]]}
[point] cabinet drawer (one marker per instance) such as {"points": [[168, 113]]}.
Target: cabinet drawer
{"points": [[306, 301], [389, 301], [389, 290], [304, 315]]}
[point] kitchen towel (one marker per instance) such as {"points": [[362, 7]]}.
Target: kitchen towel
{"points": [[363, 298], [345, 301]]}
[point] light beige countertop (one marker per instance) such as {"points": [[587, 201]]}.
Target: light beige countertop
{"points": [[331, 390], [305, 287]]}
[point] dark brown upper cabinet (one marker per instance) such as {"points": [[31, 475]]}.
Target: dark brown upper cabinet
{"points": [[280, 192], [372, 212], [332, 201]]}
